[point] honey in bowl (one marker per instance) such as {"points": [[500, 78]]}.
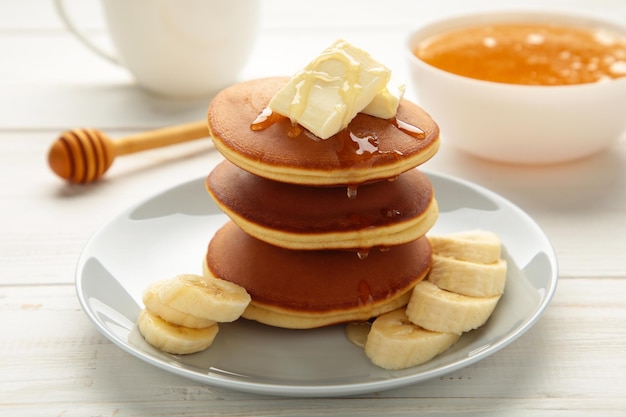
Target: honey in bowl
{"points": [[528, 54]]}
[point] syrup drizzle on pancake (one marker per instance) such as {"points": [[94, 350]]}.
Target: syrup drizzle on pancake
{"points": [[366, 142], [267, 118], [414, 131], [365, 293]]}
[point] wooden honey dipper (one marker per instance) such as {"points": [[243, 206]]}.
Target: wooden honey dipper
{"points": [[84, 155]]}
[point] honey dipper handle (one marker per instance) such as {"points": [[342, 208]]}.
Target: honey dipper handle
{"points": [[161, 137]]}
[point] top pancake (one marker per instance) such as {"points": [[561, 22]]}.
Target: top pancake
{"points": [[369, 149]]}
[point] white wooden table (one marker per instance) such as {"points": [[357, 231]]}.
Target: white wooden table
{"points": [[54, 362]]}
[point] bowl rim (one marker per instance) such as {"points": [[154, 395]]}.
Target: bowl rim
{"points": [[556, 16]]}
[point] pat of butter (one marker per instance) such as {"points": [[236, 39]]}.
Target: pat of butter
{"points": [[385, 104], [326, 95]]}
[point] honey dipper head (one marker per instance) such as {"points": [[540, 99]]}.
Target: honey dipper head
{"points": [[81, 155]]}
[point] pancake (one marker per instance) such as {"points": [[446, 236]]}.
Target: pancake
{"points": [[305, 289], [369, 149], [383, 213]]}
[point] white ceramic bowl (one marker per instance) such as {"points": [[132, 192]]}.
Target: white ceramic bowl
{"points": [[519, 123]]}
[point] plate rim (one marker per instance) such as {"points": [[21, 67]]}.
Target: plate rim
{"points": [[328, 390]]}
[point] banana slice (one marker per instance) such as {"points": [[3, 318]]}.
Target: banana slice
{"points": [[153, 303], [395, 343], [468, 278], [173, 338], [478, 246], [443, 311], [205, 297]]}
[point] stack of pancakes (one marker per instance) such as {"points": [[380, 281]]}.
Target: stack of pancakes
{"points": [[321, 231]]}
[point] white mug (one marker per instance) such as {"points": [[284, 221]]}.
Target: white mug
{"points": [[177, 48]]}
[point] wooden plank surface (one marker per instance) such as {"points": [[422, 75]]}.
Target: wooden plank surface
{"points": [[54, 362]]}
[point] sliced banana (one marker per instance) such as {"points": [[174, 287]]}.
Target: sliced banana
{"points": [[153, 303], [478, 246], [443, 311], [205, 297], [468, 278], [173, 338], [357, 332], [394, 342]]}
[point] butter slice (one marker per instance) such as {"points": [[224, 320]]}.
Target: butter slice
{"points": [[326, 95], [385, 104]]}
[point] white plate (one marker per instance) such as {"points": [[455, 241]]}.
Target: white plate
{"points": [[167, 235]]}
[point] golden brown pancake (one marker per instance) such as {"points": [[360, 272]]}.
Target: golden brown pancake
{"points": [[369, 149], [304, 289], [383, 213]]}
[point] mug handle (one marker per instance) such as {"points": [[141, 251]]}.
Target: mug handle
{"points": [[62, 12]]}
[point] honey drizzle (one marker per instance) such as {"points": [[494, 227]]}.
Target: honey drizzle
{"points": [[367, 143], [351, 191], [408, 128], [365, 293], [363, 253], [266, 119], [294, 131]]}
